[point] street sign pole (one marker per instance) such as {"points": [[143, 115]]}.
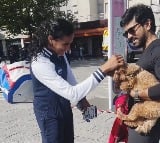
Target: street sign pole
{"points": [[117, 43], [110, 50]]}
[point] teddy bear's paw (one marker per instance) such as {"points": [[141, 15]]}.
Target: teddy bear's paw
{"points": [[116, 76], [122, 77], [142, 129], [124, 86], [146, 127], [130, 124]]}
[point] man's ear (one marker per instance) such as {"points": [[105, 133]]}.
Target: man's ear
{"points": [[148, 24], [50, 38]]}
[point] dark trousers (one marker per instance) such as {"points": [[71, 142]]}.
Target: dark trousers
{"points": [[152, 137], [55, 129]]}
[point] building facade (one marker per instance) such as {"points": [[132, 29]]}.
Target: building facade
{"points": [[89, 11], [85, 10], [91, 20], [11, 43], [155, 5], [89, 15]]}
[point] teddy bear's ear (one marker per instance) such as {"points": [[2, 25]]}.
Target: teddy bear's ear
{"points": [[132, 68], [124, 86], [116, 76], [122, 77]]}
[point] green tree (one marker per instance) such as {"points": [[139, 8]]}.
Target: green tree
{"points": [[23, 16]]}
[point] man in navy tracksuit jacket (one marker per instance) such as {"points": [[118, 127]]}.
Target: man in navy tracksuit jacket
{"points": [[54, 84], [49, 106]]}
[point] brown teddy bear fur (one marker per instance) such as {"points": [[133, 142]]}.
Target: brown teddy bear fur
{"points": [[144, 114]]}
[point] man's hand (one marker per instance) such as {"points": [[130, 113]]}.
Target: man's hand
{"points": [[112, 64], [88, 111], [83, 104]]}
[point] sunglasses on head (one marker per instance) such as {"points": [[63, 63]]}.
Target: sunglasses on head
{"points": [[131, 30]]}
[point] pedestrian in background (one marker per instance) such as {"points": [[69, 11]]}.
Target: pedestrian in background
{"points": [[81, 50], [54, 84], [13, 53], [138, 23]]}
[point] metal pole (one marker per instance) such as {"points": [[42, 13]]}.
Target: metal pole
{"points": [[110, 30], [127, 4], [113, 18]]}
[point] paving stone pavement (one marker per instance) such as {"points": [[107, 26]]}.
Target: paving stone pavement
{"points": [[18, 125]]}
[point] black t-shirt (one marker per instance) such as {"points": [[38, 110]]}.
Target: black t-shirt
{"points": [[150, 61]]}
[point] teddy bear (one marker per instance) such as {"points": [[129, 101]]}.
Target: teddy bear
{"points": [[143, 114]]}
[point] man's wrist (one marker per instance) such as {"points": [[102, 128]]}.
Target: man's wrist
{"points": [[99, 75], [104, 74], [104, 69], [136, 96]]}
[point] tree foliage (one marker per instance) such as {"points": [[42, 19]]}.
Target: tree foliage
{"points": [[19, 16]]}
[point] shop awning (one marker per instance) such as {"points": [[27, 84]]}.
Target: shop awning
{"points": [[89, 32]]}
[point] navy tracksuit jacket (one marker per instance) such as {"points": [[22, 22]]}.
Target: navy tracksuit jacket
{"points": [[53, 112]]}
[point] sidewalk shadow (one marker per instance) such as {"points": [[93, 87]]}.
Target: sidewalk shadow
{"points": [[101, 103], [87, 62]]}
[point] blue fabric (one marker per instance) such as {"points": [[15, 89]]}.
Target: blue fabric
{"points": [[16, 86], [53, 112], [5, 85]]}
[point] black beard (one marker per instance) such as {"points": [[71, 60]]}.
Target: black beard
{"points": [[143, 42]]}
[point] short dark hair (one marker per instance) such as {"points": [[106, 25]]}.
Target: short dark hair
{"points": [[57, 28], [141, 13]]}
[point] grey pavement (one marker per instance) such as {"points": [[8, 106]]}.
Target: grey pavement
{"points": [[18, 125]]}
